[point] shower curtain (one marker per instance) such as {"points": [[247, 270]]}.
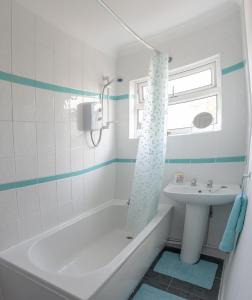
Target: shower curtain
{"points": [[150, 160]]}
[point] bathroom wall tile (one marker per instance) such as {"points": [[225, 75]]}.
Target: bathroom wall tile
{"points": [[5, 101], [65, 212], [64, 191], [77, 159], [75, 64], [45, 137], [26, 167], [61, 59], [8, 206], [78, 194], [62, 107], [62, 131], [106, 182], [7, 169], [28, 201], [44, 33], [23, 42], [106, 150], [24, 107], [48, 196], [89, 158], [44, 63], [44, 50], [93, 194], [5, 35], [79, 207], [6, 139], [124, 178], [77, 135], [63, 163], [46, 164], [49, 218], [9, 235], [44, 105], [25, 138], [30, 226], [77, 189], [76, 106], [91, 73]]}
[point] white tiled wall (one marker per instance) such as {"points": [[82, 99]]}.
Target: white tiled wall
{"points": [[39, 129]]}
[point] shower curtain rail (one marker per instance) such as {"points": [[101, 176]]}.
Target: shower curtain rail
{"points": [[130, 30]]}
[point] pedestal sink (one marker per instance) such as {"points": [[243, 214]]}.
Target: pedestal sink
{"points": [[198, 200]]}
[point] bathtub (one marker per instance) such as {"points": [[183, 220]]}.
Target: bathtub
{"points": [[89, 257]]}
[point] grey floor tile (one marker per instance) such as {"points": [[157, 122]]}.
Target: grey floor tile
{"points": [[179, 293], [181, 288], [205, 293], [155, 283], [158, 276], [181, 285]]}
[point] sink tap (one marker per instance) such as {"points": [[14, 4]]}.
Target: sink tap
{"points": [[209, 184], [194, 182]]}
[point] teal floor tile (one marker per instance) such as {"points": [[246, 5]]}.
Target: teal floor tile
{"points": [[147, 292], [201, 274]]}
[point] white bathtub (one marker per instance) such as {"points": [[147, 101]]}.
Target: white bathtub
{"points": [[88, 257]]}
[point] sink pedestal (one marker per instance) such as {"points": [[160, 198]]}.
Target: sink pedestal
{"points": [[198, 199], [196, 220]]}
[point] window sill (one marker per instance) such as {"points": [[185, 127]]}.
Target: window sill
{"points": [[184, 134]]}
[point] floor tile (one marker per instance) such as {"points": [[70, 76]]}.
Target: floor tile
{"points": [[147, 292], [201, 274], [177, 287]]}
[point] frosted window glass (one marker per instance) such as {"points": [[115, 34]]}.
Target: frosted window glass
{"points": [[190, 82]]}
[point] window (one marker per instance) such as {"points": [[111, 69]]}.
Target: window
{"points": [[192, 89]]}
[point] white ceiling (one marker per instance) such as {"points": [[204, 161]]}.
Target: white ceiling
{"points": [[89, 22]]}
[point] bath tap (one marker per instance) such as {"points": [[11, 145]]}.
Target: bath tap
{"points": [[209, 184], [194, 182], [128, 202]]}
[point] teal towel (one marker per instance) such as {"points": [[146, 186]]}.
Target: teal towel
{"points": [[234, 224]]}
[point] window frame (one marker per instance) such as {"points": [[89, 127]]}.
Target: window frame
{"points": [[186, 96]]}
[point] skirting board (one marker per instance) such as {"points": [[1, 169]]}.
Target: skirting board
{"points": [[207, 250]]}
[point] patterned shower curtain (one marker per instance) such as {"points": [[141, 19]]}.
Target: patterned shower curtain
{"points": [[150, 161]]}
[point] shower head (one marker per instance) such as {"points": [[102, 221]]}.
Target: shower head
{"points": [[108, 82]]}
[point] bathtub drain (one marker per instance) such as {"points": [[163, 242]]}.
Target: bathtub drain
{"points": [[129, 237]]}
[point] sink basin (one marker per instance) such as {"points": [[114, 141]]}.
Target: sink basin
{"points": [[198, 200], [200, 194]]}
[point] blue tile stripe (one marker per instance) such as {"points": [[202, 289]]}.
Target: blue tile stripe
{"points": [[28, 182], [211, 160], [23, 183], [125, 160], [233, 68], [120, 97], [44, 85], [62, 89]]}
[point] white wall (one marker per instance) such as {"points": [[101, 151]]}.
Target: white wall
{"points": [[219, 35], [39, 133], [237, 275]]}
